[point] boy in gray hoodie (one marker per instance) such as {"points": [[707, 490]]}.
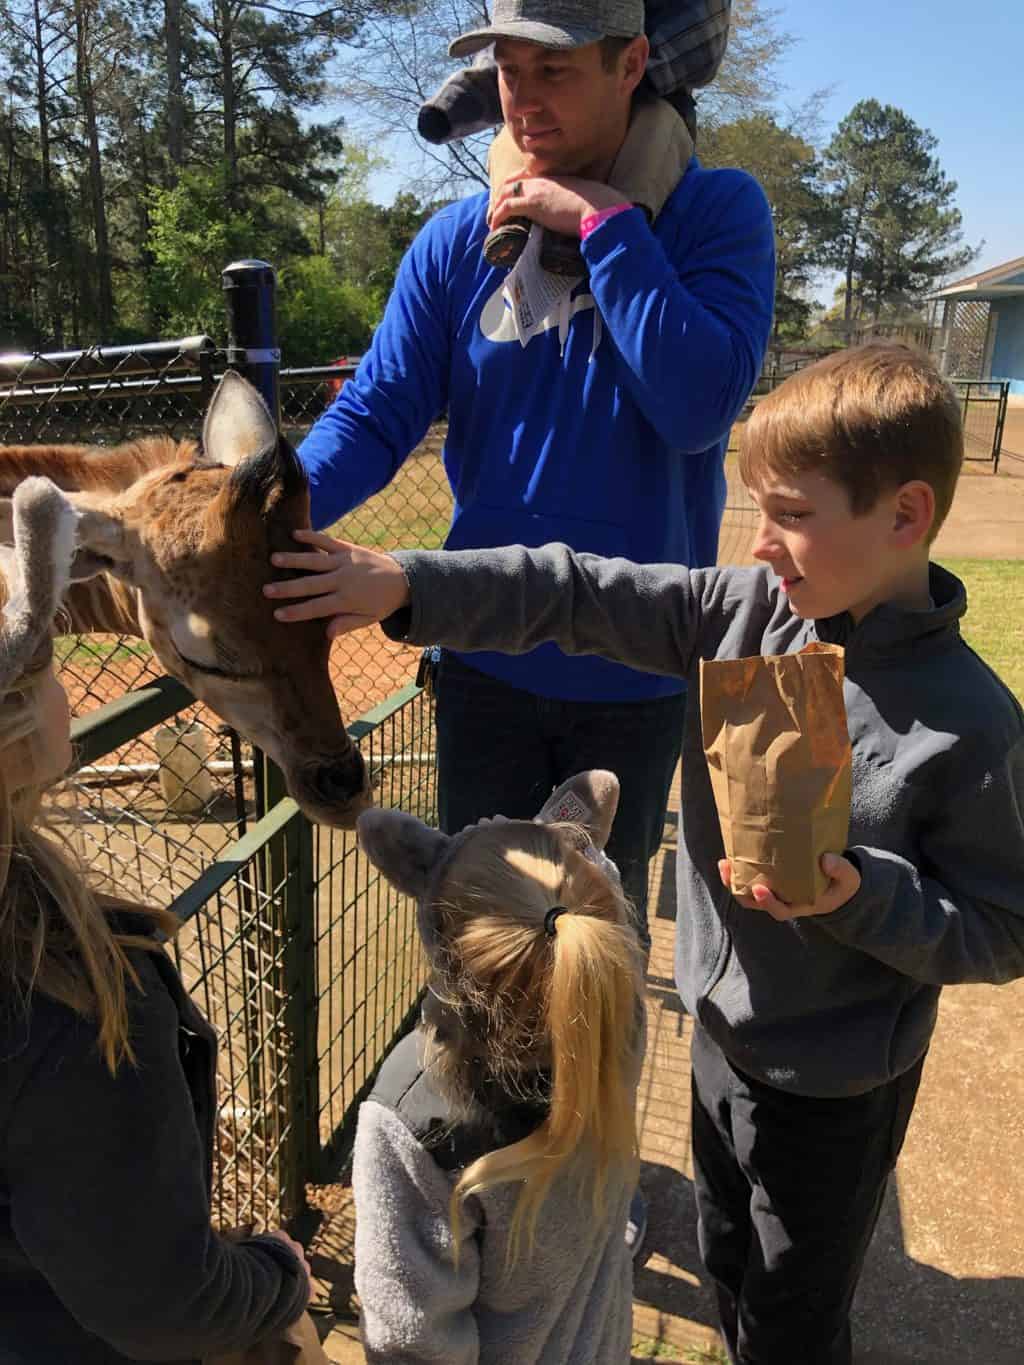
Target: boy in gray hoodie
{"points": [[811, 1022]]}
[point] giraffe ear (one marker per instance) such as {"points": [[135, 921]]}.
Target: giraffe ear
{"points": [[35, 573], [402, 847], [407, 851], [238, 425]]}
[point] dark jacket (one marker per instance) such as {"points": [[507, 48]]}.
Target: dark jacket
{"points": [[106, 1250], [836, 1004]]}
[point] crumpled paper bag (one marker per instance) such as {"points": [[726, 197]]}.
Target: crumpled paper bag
{"points": [[778, 752], [296, 1345]]}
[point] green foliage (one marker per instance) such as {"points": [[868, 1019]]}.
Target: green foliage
{"points": [[787, 169], [195, 232], [367, 241], [893, 227], [320, 316], [193, 235], [144, 146]]}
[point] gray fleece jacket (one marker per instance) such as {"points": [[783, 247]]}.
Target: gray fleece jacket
{"points": [[569, 1303], [831, 1005]]}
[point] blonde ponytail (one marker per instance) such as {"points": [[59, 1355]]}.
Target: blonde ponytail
{"points": [[570, 1000]]}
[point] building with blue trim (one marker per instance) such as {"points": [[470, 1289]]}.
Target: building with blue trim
{"points": [[980, 325]]}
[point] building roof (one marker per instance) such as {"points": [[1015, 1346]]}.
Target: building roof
{"points": [[1002, 281]]}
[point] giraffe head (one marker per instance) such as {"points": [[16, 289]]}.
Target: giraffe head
{"points": [[194, 539]]}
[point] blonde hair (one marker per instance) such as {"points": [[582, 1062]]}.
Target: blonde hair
{"points": [[870, 418], [56, 936], [568, 1003]]}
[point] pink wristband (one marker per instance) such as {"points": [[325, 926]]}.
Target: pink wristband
{"points": [[594, 220]]}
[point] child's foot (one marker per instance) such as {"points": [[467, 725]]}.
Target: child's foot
{"points": [[636, 1223], [561, 255], [504, 246]]}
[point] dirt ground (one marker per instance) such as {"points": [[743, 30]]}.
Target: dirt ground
{"points": [[986, 520]]}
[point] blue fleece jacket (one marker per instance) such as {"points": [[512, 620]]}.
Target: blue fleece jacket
{"points": [[607, 431]]}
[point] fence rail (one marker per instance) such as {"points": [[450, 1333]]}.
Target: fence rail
{"points": [[304, 961]]}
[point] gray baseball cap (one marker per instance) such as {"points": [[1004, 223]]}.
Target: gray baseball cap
{"points": [[555, 23]]}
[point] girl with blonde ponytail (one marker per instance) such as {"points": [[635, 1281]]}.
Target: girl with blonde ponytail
{"points": [[496, 1155], [107, 1070]]}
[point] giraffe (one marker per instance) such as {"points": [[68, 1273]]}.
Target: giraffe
{"points": [[173, 543]]}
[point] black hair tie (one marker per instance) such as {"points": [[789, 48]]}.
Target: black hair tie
{"points": [[551, 916]]}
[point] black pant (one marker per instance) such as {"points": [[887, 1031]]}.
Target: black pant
{"points": [[501, 750], [789, 1189]]}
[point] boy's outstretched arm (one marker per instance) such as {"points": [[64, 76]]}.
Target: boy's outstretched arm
{"points": [[649, 616], [958, 915]]}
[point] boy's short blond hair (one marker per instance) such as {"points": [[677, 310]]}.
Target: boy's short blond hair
{"points": [[870, 418]]}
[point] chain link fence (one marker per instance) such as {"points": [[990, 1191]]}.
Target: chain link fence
{"points": [[305, 961]]}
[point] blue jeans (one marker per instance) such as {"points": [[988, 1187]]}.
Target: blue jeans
{"points": [[501, 750]]}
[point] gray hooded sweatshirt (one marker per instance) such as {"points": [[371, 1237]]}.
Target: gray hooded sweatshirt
{"points": [[567, 1303], [830, 1005]]}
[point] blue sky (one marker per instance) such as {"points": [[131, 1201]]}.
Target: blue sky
{"points": [[955, 68]]}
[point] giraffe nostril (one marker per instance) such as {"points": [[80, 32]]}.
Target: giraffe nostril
{"points": [[340, 780]]}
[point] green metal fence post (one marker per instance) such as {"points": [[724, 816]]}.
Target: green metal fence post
{"points": [[301, 1157]]}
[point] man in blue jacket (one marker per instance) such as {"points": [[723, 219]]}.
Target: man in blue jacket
{"points": [[602, 425]]}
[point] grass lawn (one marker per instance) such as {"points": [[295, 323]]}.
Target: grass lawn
{"points": [[994, 624]]}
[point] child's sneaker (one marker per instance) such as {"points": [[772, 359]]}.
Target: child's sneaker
{"points": [[504, 246], [559, 255], [636, 1223]]}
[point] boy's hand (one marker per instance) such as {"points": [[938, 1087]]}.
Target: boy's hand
{"points": [[352, 586], [843, 885]]}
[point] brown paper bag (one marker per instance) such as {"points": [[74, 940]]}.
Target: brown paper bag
{"points": [[778, 751], [296, 1345]]}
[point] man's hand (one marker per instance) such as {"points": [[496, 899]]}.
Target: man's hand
{"points": [[559, 202], [351, 586], [843, 885]]}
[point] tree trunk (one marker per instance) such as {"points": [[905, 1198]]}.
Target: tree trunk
{"points": [[53, 261], [228, 92], [87, 101], [175, 97]]}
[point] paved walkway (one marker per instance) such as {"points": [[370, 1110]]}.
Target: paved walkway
{"points": [[944, 1281]]}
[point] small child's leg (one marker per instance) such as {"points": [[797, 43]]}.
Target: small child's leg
{"points": [[504, 245], [466, 103], [654, 157]]}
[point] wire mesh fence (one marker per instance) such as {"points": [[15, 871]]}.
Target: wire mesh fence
{"points": [[983, 405], [304, 960]]}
